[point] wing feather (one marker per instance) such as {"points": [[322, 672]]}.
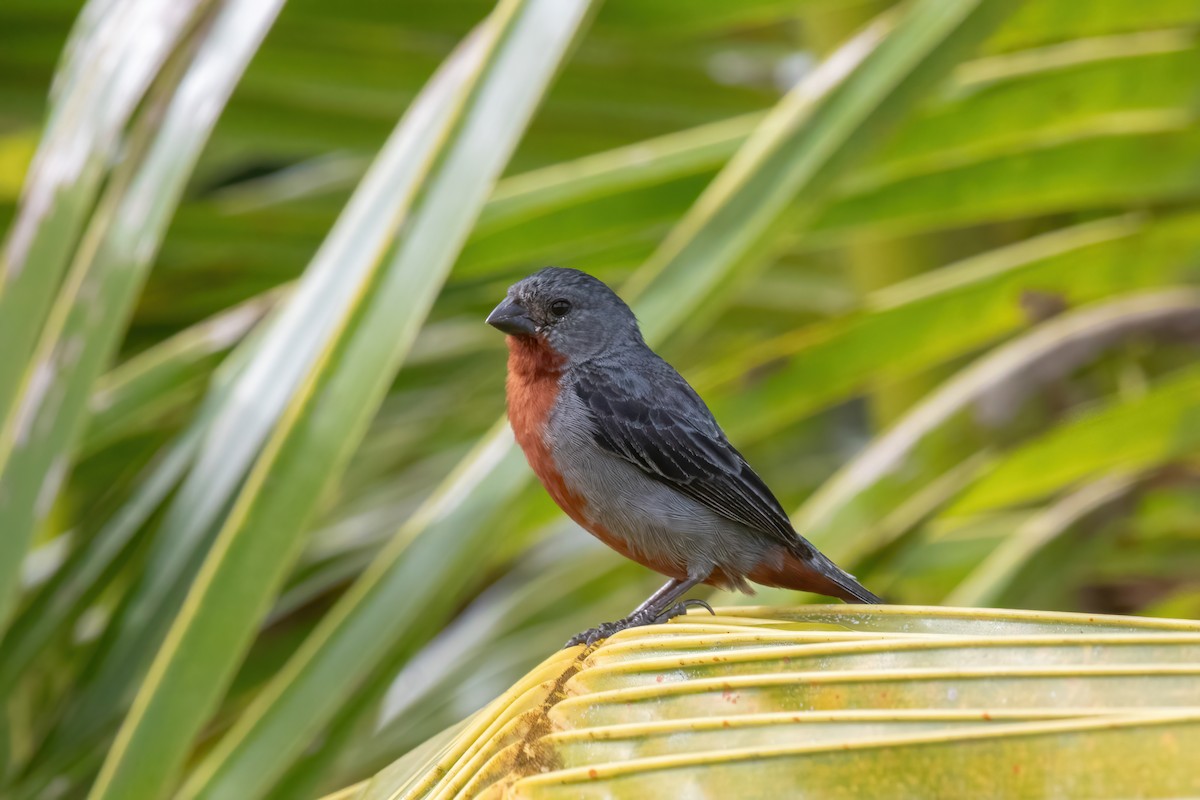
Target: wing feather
{"points": [[663, 427]]}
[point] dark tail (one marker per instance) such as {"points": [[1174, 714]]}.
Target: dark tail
{"points": [[809, 570], [848, 587], [851, 590]]}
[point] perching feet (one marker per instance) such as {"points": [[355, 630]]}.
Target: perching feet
{"points": [[679, 609], [601, 631], [644, 617]]}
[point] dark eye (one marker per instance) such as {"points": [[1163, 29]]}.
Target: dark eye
{"points": [[559, 308]]}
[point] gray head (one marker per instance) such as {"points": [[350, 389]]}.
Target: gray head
{"points": [[574, 313]]}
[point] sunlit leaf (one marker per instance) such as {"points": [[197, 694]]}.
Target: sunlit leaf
{"points": [[114, 53], [837, 699], [106, 274], [470, 137]]}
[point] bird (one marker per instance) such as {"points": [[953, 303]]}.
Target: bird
{"points": [[627, 448]]}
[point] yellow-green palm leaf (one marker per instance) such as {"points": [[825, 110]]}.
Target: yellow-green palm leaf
{"points": [[837, 701]]}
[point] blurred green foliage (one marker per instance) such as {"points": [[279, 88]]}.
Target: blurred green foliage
{"points": [[940, 287]]}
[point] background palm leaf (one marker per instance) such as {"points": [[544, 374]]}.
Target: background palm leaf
{"points": [[945, 253]]}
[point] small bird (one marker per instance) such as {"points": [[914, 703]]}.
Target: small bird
{"points": [[628, 450]]}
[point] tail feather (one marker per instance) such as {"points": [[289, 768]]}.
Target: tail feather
{"points": [[851, 590], [812, 571], [855, 592]]}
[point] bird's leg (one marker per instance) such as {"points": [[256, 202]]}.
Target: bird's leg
{"points": [[654, 609], [662, 591], [606, 629], [663, 611], [658, 608]]}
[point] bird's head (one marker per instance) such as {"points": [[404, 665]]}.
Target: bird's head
{"points": [[570, 311]]}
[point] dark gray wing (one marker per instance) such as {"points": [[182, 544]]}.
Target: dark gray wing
{"points": [[658, 423]]}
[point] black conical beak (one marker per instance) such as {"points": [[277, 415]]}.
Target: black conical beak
{"points": [[511, 317]]}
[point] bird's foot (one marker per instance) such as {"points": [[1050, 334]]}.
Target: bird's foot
{"points": [[679, 609], [604, 630], [601, 631]]}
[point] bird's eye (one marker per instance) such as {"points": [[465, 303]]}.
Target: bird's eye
{"points": [[559, 308]]}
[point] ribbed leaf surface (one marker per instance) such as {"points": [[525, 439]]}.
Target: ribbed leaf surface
{"points": [[837, 701]]}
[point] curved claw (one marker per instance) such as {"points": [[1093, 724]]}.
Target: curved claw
{"points": [[679, 609], [584, 637], [604, 630], [593, 635]]}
